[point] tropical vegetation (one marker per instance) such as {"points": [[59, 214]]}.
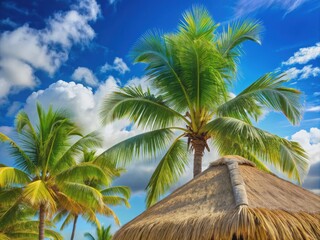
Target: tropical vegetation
{"points": [[103, 233], [112, 196], [189, 106], [48, 178]]}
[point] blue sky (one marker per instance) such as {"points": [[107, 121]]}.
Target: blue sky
{"points": [[74, 53]]}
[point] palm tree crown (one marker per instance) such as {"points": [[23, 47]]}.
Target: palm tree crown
{"points": [[190, 73], [47, 177]]}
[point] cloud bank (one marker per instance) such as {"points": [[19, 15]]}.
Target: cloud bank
{"points": [[30, 50]]}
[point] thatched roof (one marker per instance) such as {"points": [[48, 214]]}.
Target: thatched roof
{"points": [[230, 200]]}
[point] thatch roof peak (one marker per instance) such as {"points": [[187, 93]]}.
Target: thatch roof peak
{"points": [[228, 159], [230, 200]]}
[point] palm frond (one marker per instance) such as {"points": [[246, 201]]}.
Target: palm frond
{"points": [[265, 92], [12, 176], [53, 234], [37, 193], [10, 195], [88, 235], [66, 160], [69, 218], [84, 172], [162, 69], [26, 163], [230, 40], [144, 145], [115, 200], [82, 194], [143, 108], [171, 166], [285, 155], [117, 190], [197, 23]]}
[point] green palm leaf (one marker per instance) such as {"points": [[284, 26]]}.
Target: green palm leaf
{"points": [[171, 166], [197, 23], [143, 145], [287, 156], [268, 92], [12, 176], [156, 51], [141, 107], [84, 172], [22, 159], [229, 41], [82, 194], [121, 190], [37, 193]]}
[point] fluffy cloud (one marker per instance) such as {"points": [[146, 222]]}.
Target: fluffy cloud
{"points": [[304, 73], [84, 106], [118, 65], [304, 55], [13, 80], [244, 7], [29, 49], [85, 75], [310, 141]]}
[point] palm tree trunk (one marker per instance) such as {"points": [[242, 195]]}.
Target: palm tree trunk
{"points": [[74, 226], [42, 215], [198, 147]]}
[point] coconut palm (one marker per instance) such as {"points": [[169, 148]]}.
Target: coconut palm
{"points": [[102, 234], [112, 196], [46, 176], [191, 73]]}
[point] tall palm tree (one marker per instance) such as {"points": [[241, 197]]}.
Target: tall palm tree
{"points": [[102, 234], [46, 175], [191, 72], [112, 196]]}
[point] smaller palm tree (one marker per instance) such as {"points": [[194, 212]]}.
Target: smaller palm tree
{"points": [[112, 195], [102, 234]]}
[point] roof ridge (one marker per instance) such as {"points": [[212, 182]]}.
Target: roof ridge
{"points": [[232, 158], [238, 185]]}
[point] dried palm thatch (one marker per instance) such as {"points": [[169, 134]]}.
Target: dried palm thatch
{"points": [[230, 200]]}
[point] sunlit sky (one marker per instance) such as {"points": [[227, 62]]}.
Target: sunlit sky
{"points": [[72, 54]]}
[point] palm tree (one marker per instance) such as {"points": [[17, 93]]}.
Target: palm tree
{"points": [[102, 234], [190, 73], [46, 176], [112, 196]]}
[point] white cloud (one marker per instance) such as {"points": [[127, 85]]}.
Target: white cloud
{"points": [[118, 65], [15, 75], [245, 7], [304, 55], [310, 141], [84, 105], [316, 94], [45, 49], [313, 109], [86, 75], [304, 73]]}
